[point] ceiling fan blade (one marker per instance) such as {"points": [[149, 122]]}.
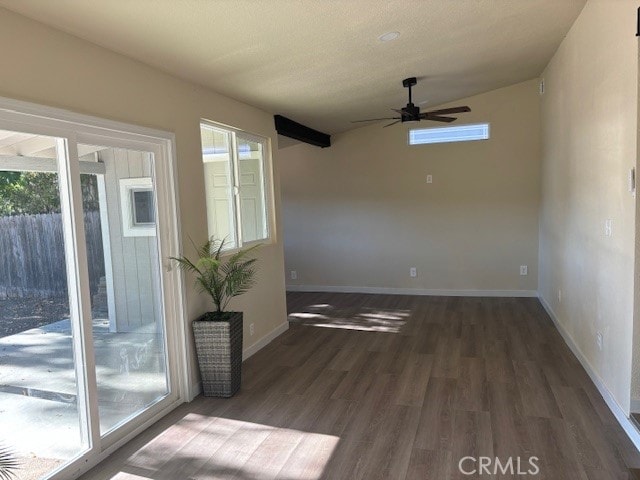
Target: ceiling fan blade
{"points": [[375, 119], [445, 111], [392, 123], [437, 118]]}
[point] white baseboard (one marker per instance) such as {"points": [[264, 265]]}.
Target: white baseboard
{"points": [[266, 340], [635, 406], [251, 350], [621, 416], [412, 291]]}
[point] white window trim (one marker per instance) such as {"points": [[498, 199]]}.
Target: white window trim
{"points": [[269, 192]]}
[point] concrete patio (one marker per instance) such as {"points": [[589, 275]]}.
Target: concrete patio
{"points": [[39, 417]]}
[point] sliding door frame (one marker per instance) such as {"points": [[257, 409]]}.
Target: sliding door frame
{"points": [[73, 129]]}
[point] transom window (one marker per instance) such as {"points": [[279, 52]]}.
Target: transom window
{"points": [[458, 133], [235, 181]]}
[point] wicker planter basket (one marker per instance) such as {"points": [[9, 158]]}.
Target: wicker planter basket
{"points": [[219, 350]]}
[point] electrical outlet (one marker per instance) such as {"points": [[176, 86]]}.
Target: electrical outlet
{"points": [[252, 329], [429, 178], [559, 296], [608, 227], [523, 270], [599, 340], [413, 272], [294, 275]]}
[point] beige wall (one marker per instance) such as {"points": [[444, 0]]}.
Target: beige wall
{"points": [[48, 67], [360, 213], [588, 145]]}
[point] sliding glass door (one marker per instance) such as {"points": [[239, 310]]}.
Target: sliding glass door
{"points": [[86, 325]]}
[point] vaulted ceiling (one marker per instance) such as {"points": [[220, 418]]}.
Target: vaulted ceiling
{"points": [[321, 62]]}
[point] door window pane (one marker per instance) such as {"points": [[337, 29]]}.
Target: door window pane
{"points": [[124, 273], [40, 405]]}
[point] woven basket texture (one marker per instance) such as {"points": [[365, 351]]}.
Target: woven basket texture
{"points": [[219, 350]]}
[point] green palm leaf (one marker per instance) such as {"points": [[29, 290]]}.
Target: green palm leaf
{"points": [[222, 278], [8, 464]]}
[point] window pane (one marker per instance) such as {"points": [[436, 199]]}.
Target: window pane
{"points": [[218, 175], [40, 405], [124, 272], [252, 192], [459, 133], [143, 207]]}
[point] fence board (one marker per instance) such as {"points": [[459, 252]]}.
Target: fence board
{"points": [[32, 256]]}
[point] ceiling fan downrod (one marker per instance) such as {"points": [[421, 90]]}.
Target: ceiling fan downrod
{"points": [[408, 83]]}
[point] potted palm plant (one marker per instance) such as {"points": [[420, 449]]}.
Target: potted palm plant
{"points": [[218, 334]]}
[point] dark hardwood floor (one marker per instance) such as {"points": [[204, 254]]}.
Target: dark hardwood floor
{"points": [[394, 387]]}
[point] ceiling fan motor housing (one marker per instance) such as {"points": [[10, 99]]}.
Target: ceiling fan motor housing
{"points": [[410, 113], [409, 82]]}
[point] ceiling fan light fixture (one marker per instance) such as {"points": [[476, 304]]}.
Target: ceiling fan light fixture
{"points": [[389, 36]]}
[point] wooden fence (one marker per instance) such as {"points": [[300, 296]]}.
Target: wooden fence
{"points": [[32, 256]]}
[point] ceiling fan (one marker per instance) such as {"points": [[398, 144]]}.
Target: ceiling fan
{"points": [[411, 113]]}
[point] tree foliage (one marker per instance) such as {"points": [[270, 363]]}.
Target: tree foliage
{"points": [[28, 193]]}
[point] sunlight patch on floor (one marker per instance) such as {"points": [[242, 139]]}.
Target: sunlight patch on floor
{"points": [[215, 447], [365, 319]]}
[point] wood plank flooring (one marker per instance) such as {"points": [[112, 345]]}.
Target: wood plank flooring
{"points": [[394, 387]]}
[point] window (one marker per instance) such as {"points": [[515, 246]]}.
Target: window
{"points": [[142, 207], [137, 207], [235, 183], [459, 133]]}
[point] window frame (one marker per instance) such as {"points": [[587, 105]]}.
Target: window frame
{"points": [[266, 168]]}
